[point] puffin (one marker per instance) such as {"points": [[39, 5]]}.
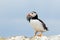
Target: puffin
{"points": [[37, 24]]}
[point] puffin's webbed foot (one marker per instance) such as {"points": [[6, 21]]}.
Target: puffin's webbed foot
{"points": [[40, 35]]}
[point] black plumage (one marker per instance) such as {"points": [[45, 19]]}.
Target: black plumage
{"points": [[36, 23]]}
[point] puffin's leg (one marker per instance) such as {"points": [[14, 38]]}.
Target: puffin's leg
{"points": [[40, 34], [35, 33]]}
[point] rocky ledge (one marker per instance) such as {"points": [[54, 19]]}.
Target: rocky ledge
{"points": [[55, 37]]}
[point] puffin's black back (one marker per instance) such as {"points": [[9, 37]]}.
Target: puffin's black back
{"points": [[43, 24]]}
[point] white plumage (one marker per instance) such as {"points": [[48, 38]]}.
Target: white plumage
{"points": [[37, 25]]}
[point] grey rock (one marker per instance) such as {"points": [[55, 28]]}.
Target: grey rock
{"points": [[53, 37]]}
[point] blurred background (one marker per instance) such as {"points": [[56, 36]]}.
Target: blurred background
{"points": [[13, 16]]}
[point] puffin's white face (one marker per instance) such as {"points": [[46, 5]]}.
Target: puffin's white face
{"points": [[32, 14]]}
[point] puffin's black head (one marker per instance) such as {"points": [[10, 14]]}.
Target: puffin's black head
{"points": [[32, 15]]}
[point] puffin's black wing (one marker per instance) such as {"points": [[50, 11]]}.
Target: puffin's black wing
{"points": [[43, 24]]}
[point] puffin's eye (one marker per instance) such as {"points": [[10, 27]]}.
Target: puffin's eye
{"points": [[32, 13]]}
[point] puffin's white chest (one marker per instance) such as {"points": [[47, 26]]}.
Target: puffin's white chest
{"points": [[37, 25]]}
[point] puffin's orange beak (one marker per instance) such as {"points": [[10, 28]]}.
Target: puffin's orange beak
{"points": [[28, 15]]}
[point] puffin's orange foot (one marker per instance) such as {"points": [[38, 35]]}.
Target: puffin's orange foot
{"points": [[40, 35]]}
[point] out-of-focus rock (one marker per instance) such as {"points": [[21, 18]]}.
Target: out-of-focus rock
{"points": [[16, 38], [39, 38], [2, 38], [26, 38], [55, 37]]}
